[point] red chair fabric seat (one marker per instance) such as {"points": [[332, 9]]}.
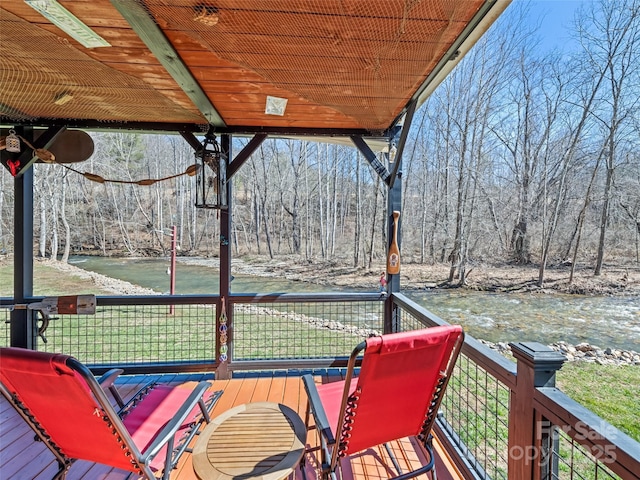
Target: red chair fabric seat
{"points": [[396, 394], [70, 411]]}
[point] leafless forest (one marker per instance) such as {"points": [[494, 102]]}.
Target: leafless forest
{"points": [[521, 156]]}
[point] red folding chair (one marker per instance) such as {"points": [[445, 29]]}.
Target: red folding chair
{"points": [[397, 394], [71, 413]]}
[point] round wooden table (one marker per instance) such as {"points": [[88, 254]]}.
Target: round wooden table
{"points": [[261, 440]]}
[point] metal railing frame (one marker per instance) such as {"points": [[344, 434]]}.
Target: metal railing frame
{"points": [[530, 378]]}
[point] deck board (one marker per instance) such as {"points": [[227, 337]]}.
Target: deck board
{"points": [[22, 458]]}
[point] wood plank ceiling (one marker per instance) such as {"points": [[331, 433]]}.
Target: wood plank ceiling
{"points": [[351, 66]]}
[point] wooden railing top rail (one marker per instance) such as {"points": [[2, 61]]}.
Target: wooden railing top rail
{"points": [[114, 300], [619, 452]]}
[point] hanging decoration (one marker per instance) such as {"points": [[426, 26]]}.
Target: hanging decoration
{"points": [[47, 157], [12, 142], [224, 338], [211, 178], [190, 171]]}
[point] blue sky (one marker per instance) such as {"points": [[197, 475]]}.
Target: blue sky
{"points": [[557, 19]]}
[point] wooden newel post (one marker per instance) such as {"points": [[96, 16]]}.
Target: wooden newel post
{"points": [[537, 367]]}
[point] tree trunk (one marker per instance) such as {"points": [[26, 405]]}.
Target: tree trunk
{"points": [[42, 243], [358, 219], [65, 222]]}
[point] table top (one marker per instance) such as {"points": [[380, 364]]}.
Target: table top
{"points": [[261, 440]]}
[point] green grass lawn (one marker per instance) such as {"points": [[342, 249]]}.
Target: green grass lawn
{"points": [[612, 392], [48, 281]]}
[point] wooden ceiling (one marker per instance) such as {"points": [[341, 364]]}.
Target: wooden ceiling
{"points": [[342, 66]]}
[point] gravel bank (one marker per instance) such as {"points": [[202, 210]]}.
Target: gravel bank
{"points": [[583, 352]]}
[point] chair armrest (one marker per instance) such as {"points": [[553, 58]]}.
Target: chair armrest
{"points": [[178, 419], [107, 380], [319, 415]]}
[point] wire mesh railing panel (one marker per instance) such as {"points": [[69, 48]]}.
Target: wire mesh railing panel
{"points": [[408, 322], [476, 413], [303, 330], [139, 334], [573, 461]]}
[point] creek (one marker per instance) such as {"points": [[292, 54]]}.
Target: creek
{"points": [[605, 321]]}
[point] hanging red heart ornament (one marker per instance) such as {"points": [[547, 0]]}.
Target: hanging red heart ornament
{"points": [[13, 165]]}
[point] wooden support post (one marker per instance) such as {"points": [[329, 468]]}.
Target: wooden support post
{"points": [[23, 330], [222, 371], [172, 268], [537, 367], [394, 203]]}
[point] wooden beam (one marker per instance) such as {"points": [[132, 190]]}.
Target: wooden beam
{"points": [[153, 37], [371, 157], [245, 153], [192, 140], [239, 159], [159, 127], [27, 157]]}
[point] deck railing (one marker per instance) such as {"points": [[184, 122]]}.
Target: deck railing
{"points": [[137, 332], [506, 420], [319, 330], [474, 414], [501, 419]]}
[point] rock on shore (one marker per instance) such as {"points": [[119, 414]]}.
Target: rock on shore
{"points": [[582, 352]]}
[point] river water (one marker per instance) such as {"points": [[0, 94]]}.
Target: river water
{"points": [[498, 317]]}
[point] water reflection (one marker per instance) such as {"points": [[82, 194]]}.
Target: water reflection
{"points": [[603, 321]]}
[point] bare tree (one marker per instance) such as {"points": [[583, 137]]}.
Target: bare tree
{"points": [[260, 170], [357, 228], [63, 218], [610, 36], [290, 195], [470, 116]]}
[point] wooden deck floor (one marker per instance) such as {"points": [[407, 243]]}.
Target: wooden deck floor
{"points": [[23, 458]]}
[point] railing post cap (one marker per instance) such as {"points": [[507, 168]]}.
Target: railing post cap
{"points": [[538, 356]]}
